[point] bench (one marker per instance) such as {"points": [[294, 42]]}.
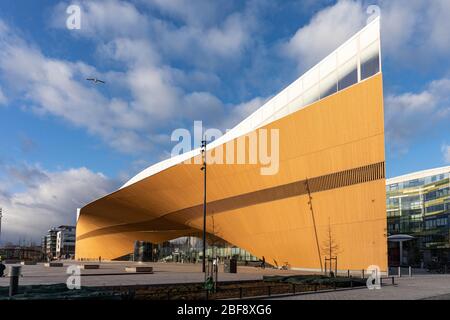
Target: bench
{"points": [[11, 261], [54, 264], [90, 266], [139, 269]]}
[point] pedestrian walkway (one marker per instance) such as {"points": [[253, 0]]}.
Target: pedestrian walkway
{"points": [[415, 288]]}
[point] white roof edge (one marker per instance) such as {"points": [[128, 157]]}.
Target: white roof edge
{"points": [[418, 175], [244, 126]]}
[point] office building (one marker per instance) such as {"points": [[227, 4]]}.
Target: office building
{"points": [[418, 205]]}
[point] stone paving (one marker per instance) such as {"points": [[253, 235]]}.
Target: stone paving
{"points": [[113, 274], [435, 287]]}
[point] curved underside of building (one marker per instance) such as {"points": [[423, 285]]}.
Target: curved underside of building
{"points": [[331, 180]]}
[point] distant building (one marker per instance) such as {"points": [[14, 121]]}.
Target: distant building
{"points": [[50, 243], [59, 242], [65, 242], [418, 205], [20, 253], [44, 245]]}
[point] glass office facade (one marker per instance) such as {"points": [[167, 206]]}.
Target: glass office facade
{"points": [[190, 249], [419, 205]]}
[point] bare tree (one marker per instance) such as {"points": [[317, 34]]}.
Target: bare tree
{"points": [[330, 247]]}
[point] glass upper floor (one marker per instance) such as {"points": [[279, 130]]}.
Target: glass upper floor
{"points": [[422, 195]]}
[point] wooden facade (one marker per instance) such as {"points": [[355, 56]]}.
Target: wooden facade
{"points": [[331, 178]]}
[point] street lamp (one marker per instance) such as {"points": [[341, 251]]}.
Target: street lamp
{"points": [[204, 204]]}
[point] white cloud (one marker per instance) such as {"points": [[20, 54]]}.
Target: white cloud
{"points": [[3, 99], [243, 110], [446, 153], [328, 29], [412, 113], [196, 13], [205, 47], [206, 29], [407, 26], [133, 52], [205, 106], [49, 199], [415, 26], [58, 88]]}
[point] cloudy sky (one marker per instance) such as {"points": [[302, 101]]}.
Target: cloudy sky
{"points": [[166, 63]]}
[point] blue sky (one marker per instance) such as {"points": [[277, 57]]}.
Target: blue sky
{"points": [[65, 141]]}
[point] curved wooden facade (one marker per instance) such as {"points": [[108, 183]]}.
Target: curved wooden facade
{"points": [[331, 177]]}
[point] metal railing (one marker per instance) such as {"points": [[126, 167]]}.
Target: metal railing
{"points": [[241, 292]]}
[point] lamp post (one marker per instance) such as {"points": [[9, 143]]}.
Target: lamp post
{"points": [[204, 204]]}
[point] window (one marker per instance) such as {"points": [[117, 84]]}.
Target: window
{"points": [[413, 183], [328, 86], [441, 222], [370, 61], [348, 74], [435, 223], [393, 187], [436, 208], [312, 95], [436, 194]]}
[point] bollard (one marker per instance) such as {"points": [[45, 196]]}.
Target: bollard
{"points": [[399, 272], [14, 274], [410, 271]]}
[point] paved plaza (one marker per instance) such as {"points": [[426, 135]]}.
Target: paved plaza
{"points": [[113, 274], [436, 287]]}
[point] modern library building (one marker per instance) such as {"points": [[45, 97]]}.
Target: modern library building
{"points": [[329, 189]]}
